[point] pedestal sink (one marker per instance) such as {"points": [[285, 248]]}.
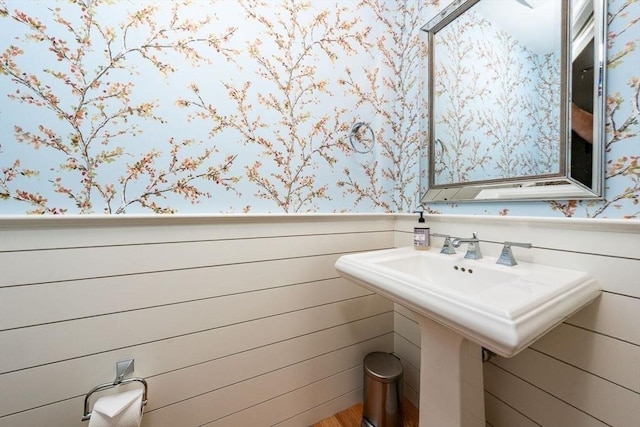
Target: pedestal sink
{"points": [[463, 305]]}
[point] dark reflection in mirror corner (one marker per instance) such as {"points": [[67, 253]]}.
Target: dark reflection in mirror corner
{"points": [[582, 95]]}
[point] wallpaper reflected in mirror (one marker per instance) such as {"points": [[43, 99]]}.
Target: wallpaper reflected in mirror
{"points": [[497, 94]]}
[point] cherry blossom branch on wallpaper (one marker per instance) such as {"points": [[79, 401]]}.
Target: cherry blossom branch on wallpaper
{"points": [[543, 110], [95, 111], [394, 95], [462, 153], [510, 131], [301, 140], [624, 128], [525, 89]]}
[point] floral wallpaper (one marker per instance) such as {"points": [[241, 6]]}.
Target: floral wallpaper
{"points": [[208, 106], [480, 65], [231, 106]]}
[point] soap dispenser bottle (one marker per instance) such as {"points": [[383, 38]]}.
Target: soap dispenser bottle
{"points": [[421, 237]]}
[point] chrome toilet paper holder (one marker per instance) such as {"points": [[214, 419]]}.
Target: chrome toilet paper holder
{"points": [[123, 368]]}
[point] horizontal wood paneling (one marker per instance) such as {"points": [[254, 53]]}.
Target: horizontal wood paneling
{"points": [[407, 350], [406, 326], [229, 401], [202, 378], [593, 353], [407, 347], [210, 312], [25, 232], [31, 304], [617, 316], [627, 271], [38, 345], [596, 396], [282, 409], [344, 323], [46, 266], [237, 319], [502, 414], [410, 357], [534, 403]]}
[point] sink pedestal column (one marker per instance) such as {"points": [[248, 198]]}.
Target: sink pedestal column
{"points": [[451, 384]]}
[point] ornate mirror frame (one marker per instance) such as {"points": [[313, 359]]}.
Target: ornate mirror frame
{"points": [[553, 186]]}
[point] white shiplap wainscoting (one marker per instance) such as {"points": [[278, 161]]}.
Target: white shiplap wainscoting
{"points": [[243, 321], [584, 373], [233, 320]]}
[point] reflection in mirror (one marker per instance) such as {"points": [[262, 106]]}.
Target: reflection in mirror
{"points": [[515, 107], [582, 96]]}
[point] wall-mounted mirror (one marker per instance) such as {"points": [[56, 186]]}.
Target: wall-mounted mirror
{"points": [[516, 100]]}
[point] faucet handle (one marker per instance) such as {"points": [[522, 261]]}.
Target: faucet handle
{"points": [[506, 256], [447, 247], [522, 245], [474, 252]]}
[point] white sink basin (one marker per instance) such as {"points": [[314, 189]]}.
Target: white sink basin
{"points": [[503, 309]]}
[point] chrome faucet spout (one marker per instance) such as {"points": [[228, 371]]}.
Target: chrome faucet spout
{"points": [[473, 251], [459, 241]]}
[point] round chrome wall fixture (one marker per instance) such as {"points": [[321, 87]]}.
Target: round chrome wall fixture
{"points": [[362, 138]]}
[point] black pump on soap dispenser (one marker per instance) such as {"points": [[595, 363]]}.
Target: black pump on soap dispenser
{"points": [[421, 237]]}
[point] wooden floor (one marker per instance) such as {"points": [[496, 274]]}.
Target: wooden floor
{"points": [[353, 416]]}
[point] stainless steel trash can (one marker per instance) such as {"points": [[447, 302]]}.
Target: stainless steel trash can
{"points": [[382, 391]]}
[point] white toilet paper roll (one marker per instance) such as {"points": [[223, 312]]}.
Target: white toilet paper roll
{"points": [[118, 410]]}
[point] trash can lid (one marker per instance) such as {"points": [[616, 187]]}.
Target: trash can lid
{"points": [[384, 366]]}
